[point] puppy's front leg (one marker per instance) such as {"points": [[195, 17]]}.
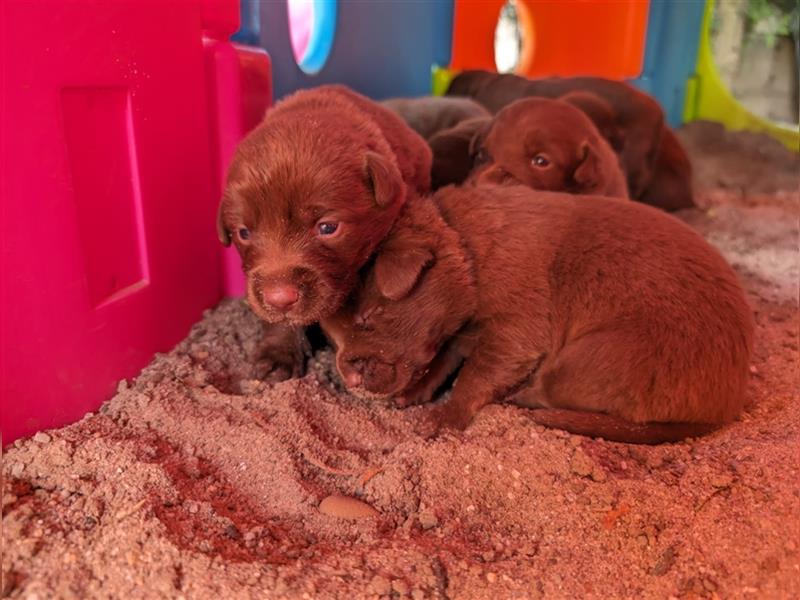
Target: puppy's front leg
{"points": [[282, 352], [447, 361], [486, 377]]}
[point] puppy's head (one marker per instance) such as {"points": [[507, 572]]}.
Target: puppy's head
{"points": [[308, 199], [415, 297], [541, 143], [602, 115]]}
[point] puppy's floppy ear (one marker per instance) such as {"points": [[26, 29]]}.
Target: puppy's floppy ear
{"points": [[587, 173], [398, 267], [223, 234], [384, 180]]}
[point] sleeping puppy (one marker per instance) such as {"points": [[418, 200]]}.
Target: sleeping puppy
{"points": [[452, 152], [547, 145], [428, 115], [310, 194], [638, 117], [536, 294]]}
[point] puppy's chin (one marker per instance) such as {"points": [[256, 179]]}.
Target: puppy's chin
{"points": [[400, 385], [364, 394]]}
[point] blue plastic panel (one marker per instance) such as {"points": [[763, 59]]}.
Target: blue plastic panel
{"points": [[673, 37], [380, 48]]}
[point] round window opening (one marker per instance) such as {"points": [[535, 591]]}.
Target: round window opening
{"points": [[311, 28], [508, 39]]}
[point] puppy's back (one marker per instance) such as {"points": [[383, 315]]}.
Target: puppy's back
{"points": [[633, 272], [428, 115], [411, 151]]}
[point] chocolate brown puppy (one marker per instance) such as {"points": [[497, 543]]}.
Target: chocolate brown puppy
{"points": [[428, 115], [310, 194], [671, 185], [639, 118], [611, 311], [547, 145]]}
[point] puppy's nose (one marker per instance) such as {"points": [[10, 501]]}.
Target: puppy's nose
{"points": [[352, 372], [281, 297], [353, 379]]}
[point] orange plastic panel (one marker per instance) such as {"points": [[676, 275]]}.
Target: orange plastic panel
{"points": [[605, 38]]}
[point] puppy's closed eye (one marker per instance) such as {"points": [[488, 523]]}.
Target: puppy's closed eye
{"points": [[482, 156], [362, 320]]}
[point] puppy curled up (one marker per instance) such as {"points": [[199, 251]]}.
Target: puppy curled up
{"points": [[610, 318]]}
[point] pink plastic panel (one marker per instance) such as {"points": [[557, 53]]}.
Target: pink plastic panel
{"points": [[240, 91], [109, 252]]}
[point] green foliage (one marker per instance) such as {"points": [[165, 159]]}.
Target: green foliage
{"points": [[768, 19]]}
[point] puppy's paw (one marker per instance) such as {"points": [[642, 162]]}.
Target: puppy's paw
{"points": [[282, 354], [434, 421], [273, 369], [413, 397], [454, 417]]}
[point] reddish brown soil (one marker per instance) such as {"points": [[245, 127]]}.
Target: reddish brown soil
{"points": [[198, 481]]}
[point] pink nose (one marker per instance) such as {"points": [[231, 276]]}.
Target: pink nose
{"points": [[281, 297], [353, 379]]}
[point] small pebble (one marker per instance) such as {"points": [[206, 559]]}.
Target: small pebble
{"points": [[721, 480], [665, 562], [17, 469], [428, 519], [491, 577], [581, 464], [417, 594], [122, 386], [400, 586], [380, 585], [346, 507], [42, 438], [233, 532]]}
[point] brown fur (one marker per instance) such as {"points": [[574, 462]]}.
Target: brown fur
{"points": [[428, 115], [602, 115], [551, 300], [671, 186], [321, 155], [452, 154], [639, 119], [578, 159]]}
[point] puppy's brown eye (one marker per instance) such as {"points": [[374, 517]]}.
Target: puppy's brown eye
{"points": [[540, 161], [244, 234], [327, 228]]}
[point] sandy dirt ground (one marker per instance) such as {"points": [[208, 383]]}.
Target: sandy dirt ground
{"points": [[197, 480]]}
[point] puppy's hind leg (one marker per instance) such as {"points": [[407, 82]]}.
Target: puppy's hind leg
{"points": [[602, 385]]}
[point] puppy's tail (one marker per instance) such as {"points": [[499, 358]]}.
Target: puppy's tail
{"points": [[615, 429]]}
